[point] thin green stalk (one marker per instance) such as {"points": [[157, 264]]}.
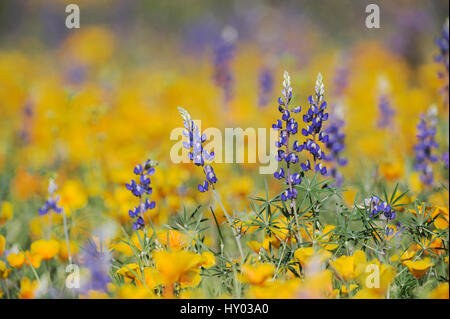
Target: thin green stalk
{"points": [[66, 233], [236, 235]]}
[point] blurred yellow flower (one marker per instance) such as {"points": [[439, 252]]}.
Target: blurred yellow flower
{"points": [[256, 246], [16, 260], [130, 271], [129, 291], [34, 259], [63, 249], [4, 271], [256, 274], [27, 288], [2, 245], [6, 212], [367, 293], [172, 239], [208, 259], [385, 274], [393, 170], [306, 254], [72, 196], [275, 290], [47, 249], [440, 292], [349, 267]]}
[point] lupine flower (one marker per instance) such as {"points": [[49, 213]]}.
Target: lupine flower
{"points": [[265, 86], [335, 145], [376, 207], [443, 45], [423, 149], [140, 189], [222, 56], [98, 262], [341, 80], [443, 57], [197, 154], [315, 116], [445, 159], [51, 203], [386, 112], [287, 127]]}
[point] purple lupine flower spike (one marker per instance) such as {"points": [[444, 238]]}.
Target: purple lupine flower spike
{"points": [[442, 57], [141, 189], [424, 147], [445, 159], [376, 207], [265, 86], [51, 204], [335, 146], [386, 112], [222, 56], [314, 118], [197, 154], [287, 127]]}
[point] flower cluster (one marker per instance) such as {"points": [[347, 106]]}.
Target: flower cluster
{"points": [[98, 261], [140, 189], [341, 80], [443, 45], [443, 56], [386, 112], [335, 145], [51, 204], [222, 56], [376, 207], [265, 86], [445, 159], [314, 119], [423, 149], [287, 127], [197, 154]]}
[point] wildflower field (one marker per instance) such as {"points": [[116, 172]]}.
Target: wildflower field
{"points": [[112, 187]]}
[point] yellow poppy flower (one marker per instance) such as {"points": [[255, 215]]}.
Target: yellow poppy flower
{"points": [[208, 259], [129, 271], [73, 196], [392, 171], [6, 212], [129, 291], [256, 246], [275, 290], [47, 249], [173, 239], [178, 267], [27, 288], [418, 268], [440, 292], [349, 267], [4, 271], [256, 274], [2, 245], [441, 221], [16, 260], [305, 254], [34, 259]]}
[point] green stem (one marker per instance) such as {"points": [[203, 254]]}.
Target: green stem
{"points": [[66, 233], [236, 235]]}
